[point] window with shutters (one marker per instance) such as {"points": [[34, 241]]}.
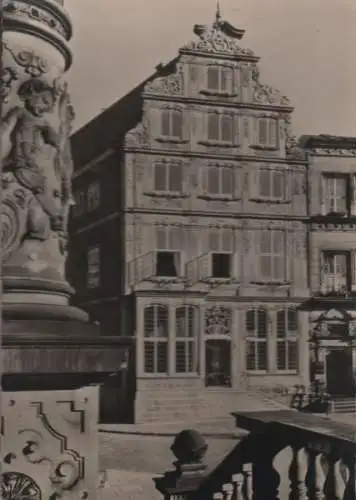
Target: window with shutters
{"points": [[93, 196], [336, 194], [186, 347], [168, 251], [287, 340], [168, 177], [172, 124], [93, 270], [266, 133], [219, 80], [272, 255], [221, 247], [221, 180], [221, 127], [256, 340], [271, 184], [79, 206], [336, 272], [156, 339]]}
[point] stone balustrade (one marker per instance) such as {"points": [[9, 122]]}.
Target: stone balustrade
{"points": [[286, 455]]}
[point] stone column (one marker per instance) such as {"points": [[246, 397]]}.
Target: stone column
{"points": [[51, 354]]}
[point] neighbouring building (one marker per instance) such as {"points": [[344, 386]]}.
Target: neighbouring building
{"points": [[332, 260], [190, 229]]}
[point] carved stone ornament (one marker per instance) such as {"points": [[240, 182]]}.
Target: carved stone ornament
{"points": [[34, 13], [218, 321], [18, 486], [7, 76], [332, 151], [33, 64], [166, 85], [137, 136], [214, 40], [265, 94], [37, 166]]}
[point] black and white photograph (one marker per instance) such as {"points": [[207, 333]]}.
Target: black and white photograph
{"points": [[178, 249]]}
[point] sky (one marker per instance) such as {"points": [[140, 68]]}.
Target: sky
{"points": [[307, 50]]}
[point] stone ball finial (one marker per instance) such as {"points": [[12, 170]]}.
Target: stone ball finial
{"points": [[189, 446]]}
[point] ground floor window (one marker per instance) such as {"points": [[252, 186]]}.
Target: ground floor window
{"points": [[186, 334], [256, 341], [156, 339], [287, 340], [181, 340]]}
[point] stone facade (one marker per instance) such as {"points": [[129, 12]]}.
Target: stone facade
{"points": [[209, 168]]}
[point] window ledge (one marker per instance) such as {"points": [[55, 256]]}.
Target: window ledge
{"points": [[167, 279], [286, 372], [220, 281], [171, 140], [165, 194], [264, 148], [267, 199], [257, 372], [271, 283], [218, 197], [221, 144], [217, 93]]}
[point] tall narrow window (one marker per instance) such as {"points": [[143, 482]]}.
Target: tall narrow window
{"points": [[168, 251], [221, 251], [187, 328], [336, 199], [93, 272], [172, 123], [93, 196], [80, 201], [287, 340], [220, 127], [271, 184], [267, 132], [168, 177], [272, 256], [256, 341], [219, 80], [336, 275], [221, 180], [156, 339]]}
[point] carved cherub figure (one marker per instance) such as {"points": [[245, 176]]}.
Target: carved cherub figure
{"points": [[27, 133]]}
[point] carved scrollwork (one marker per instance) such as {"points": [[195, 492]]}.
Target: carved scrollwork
{"points": [[214, 40], [167, 85], [137, 136], [19, 486], [218, 320], [265, 94], [33, 64]]}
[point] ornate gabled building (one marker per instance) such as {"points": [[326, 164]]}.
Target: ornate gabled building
{"points": [[190, 229], [332, 260]]}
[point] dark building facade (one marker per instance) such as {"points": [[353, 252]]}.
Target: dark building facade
{"points": [[191, 229]]}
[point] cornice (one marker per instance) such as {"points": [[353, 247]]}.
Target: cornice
{"points": [[208, 156], [220, 55], [221, 102], [213, 213], [11, 23]]}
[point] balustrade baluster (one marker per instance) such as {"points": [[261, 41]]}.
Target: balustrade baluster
{"points": [[228, 491], [281, 465], [238, 481], [247, 471], [341, 478], [302, 463], [320, 478]]}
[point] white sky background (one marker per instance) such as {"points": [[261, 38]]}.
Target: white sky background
{"points": [[307, 50]]}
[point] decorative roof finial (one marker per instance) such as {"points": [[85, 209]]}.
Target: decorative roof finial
{"points": [[217, 15]]}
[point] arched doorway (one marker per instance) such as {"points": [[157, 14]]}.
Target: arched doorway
{"points": [[339, 373]]}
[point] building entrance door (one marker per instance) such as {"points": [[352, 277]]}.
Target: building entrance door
{"points": [[218, 363], [339, 373]]}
